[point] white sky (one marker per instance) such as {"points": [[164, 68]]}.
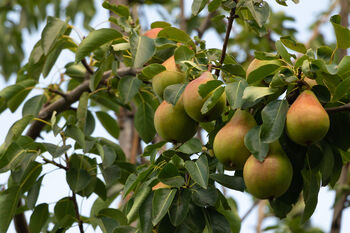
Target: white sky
{"points": [[54, 184]]}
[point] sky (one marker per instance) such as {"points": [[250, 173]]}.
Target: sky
{"points": [[54, 184]]}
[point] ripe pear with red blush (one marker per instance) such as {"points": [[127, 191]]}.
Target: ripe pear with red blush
{"points": [[153, 33], [270, 178], [228, 145], [172, 75], [193, 102], [307, 121], [173, 124]]}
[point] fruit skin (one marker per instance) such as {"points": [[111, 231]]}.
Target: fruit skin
{"points": [[173, 124], [270, 178], [307, 121], [193, 102], [228, 145], [172, 75], [152, 33]]}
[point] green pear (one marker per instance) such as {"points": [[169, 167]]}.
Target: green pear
{"points": [[172, 75], [153, 33], [307, 121], [270, 178], [173, 124], [229, 146], [193, 102]]}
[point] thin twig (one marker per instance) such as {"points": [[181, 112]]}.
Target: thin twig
{"points": [[55, 163], [227, 36], [182, 16], [77, 215], [256, 202], [87, 67], [205, 24], [342, 108], [57, 92]]}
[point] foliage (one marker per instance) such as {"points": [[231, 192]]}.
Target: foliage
{"points": [[112, 69]]}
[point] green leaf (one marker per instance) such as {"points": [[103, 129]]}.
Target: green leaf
{"points": [[213, 5], [192, 146], [145, 213], [128, 88], [231, 182], [252, 93], [197, 6], [260, 12], [217, 222], [142, 49], [64, 212], [177, 35], [17, 129], [183, 53], [199, 170], [234, 69], [274, 117], [115, 214], [341, 90], [33, 105], [234, 93], [282, 51], [254, 144], [82, 110], [344, 67], [341, 33], [212, 100], [311, 188], [290, 43], [327, 163], [38, 218], [140, 196], [264, 69], [324, 53], [161, 202], [78, 179], [125, 229], [169, 175], [231, 216], [108, 155], [153, 69], [173, 92], [120, 10], [8, 202], [74, 132], [56, 150], [94, 40], [180, 207], [33, 193], [206, 88], [52, 31], [143, 120], [109, 123], [205, 197]]}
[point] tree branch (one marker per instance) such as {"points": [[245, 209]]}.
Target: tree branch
{"points": [[64, 103], [77, 215], [182, 16], [342, 108], [227, 36], [256, 202], [87, 67]]}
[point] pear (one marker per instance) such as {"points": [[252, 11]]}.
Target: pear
{"points": [[270, 178], [172, 75], [153, 33], [193, 102], [229, 146], [307, 121], [173, 124]]}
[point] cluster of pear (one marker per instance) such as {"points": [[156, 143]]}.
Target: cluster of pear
{"points": [[307, 122], [179, 123]]}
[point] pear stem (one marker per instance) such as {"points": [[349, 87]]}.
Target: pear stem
{"points": [[227, 36]]}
